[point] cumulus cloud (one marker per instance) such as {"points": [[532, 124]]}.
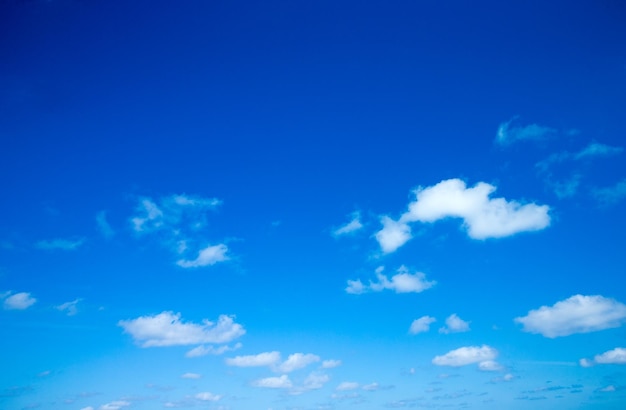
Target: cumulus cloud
{"points": [[350, 227], [61, 244], [281, 382], [611, 195], [577, 314], [402, 282], [206, 257], [18, 301], [69, 308], [331, 364], [297, 361], [393, 235], [207, 396], [421, 325], [167, 329], [466, 355], [615, 356], [261, 359], [509, 133], [203, 350], [103, 225], [455, 324]]}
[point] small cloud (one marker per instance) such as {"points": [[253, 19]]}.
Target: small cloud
{"points": [[455, 324], [608, 389], [350, 227], [577, 314], [69, 308], [611, 195], [103, 225], [261, 359], [466, 355], [167, 329], [508, 133], [596, 149], [615, 356], [191, 376], [402, 282], [344, 386], [331, 364], [18, 301], [489, 366], [61, 244], [371, 387], [281, 382], [393, 235], [421, 325], [203, 350], [297, 361], [207, 396], [206, 257], [313, 381]]}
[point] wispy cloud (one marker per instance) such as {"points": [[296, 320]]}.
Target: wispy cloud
{"points": [[576, 314], [350, 227], [591, 151], [69, 308], [455, 324], [611, 195], [17, 301], [281, 382], [467, 355], [509, 133], [103, 225], [61, 244], [421, 325], [258, 360], [203, 350], [210, 255], [482, 216], [207, 396], [402, 282], [273, 360], [167, 329], [191, 376], [615, 356]]}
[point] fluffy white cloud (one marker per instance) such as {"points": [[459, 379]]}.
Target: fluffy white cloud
{"points": [[167, 329], [191, 376], [206, 257], [331, 364], [402, 282], [350, 227], [297, 361], [393, 235], [261, 359], [343, 386], [69, 308], [466, 355], [62, 244], [18, 301], [207, 396], [577, 314], [281, 382], [455, 324], [615, 356], [508, 133], [421, 325], [203, 350]]}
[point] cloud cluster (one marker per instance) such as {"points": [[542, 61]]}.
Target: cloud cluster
{"points": [[17, 301], [402, 282], [483, 355], [615, 356], [167, 329], [483, 217], [576, 314]]}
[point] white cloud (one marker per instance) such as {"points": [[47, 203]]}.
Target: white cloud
{"points": [[167, 329], [297, 361], [115, 405], [69, 308], [466, 355], [343, 386], [508, 134], [421, 325], [103, 225], [371, 387], [402, 282], [331, 364], [489, 366], [596, 149], [62, 244], [203, 350], [313, 381], [191, 376], [393, 235], [615, 356], [281, 382], [608, 389], [455, 324], [261, 359], [207, 396], [577, 314], [611, 195], [18, 301], [350, 227], [206, 257]]}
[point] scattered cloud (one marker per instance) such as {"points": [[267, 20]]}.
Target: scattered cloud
{"points": [[466, 355], [114, 405], [103, 225], [206, 257], [402, 282], [18, 301], [281, 382], [611, 195], [393, 235], [61, 244], [167, 329], [615, 356], [577, 314], [69, 308], [313, 381], [297, 361], [261, 359], [509, 133], [203, 350], [343, 386], [191, 376], [371, 387], [331, 364], [455, 324], [489, 366], [350, 227], [421, 325], [207, 396]]}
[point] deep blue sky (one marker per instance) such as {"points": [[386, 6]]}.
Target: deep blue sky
{"points": [[200, 159]]}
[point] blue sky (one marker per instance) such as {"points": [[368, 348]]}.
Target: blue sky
{"points": [[312, 205]]}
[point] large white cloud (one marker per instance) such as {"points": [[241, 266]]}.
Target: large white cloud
{"points": [[167, 329], [421, 325], [18, 301], [261, 359], [483, 217], [206, 257], [454, 324], [615, 356], [402, 282], [466, 355], [576, 314]]}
